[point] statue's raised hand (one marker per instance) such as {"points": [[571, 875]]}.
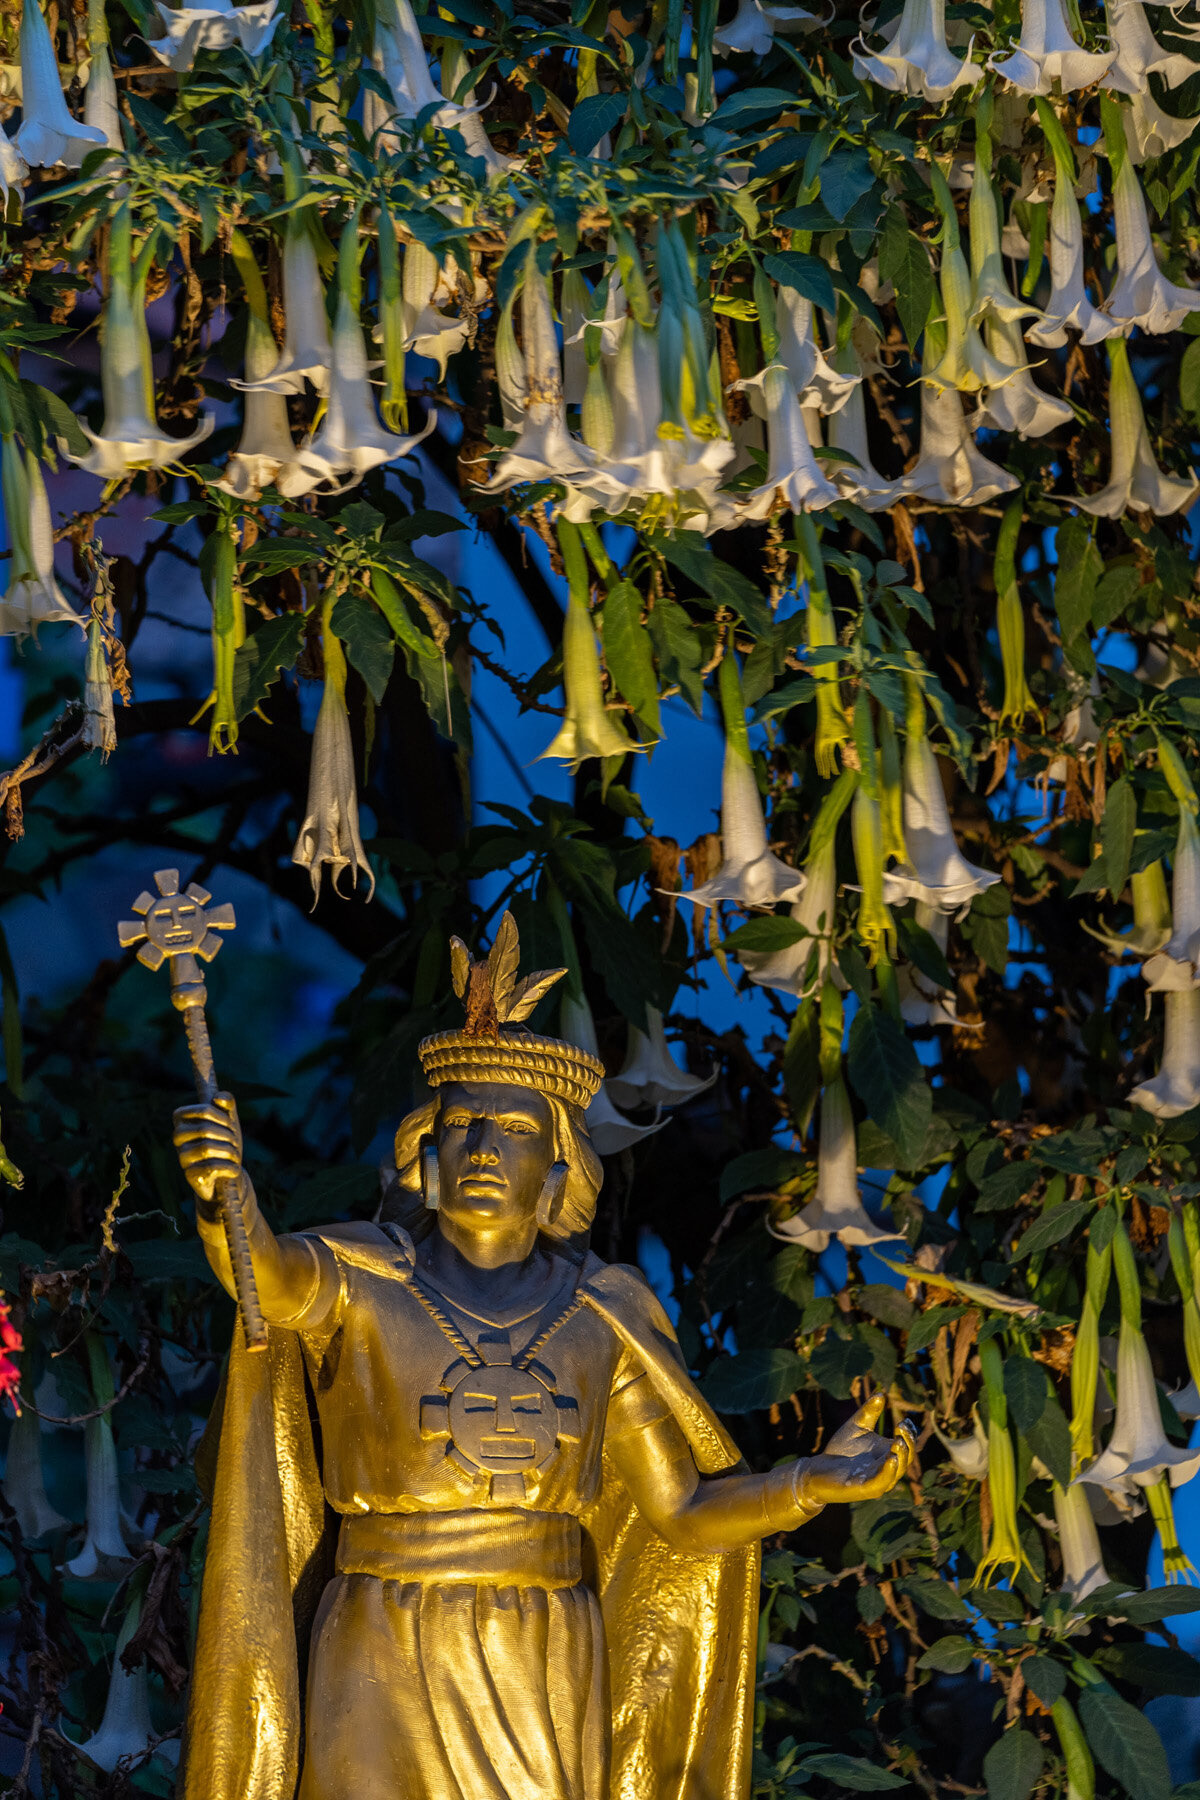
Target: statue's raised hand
{"points": [[856, 1464], [208, 1140]]}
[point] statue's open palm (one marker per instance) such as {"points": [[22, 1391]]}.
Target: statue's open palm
{"points": [[857, 1464]]}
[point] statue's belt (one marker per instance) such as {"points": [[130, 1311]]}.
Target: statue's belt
{"points": [[499, 1547]]}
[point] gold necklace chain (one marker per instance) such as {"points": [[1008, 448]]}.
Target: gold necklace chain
{"points": [[463, 1344]]}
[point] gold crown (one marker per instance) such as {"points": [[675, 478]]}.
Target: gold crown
{"points": [[487, 1048]]}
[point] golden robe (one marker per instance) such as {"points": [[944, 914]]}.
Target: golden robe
{"points": [[474, 1635]]}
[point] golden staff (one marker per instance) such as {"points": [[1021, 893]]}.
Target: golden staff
{"points": [[177, 929]]}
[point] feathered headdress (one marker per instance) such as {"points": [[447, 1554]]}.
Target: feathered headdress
{"points": [[488, 1048]]}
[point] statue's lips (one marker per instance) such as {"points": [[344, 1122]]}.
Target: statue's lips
{"points": [[484, 1183]]}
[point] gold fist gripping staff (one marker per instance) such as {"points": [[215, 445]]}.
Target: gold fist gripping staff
{"points": [[181, 929]]}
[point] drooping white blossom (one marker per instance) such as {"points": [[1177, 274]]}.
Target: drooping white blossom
{"points": [[814, 377], [100, 108], [650, 1076], [752, 29], [937, 873], [398, 54], [33, 596], [1079, 1542], [802, 968], [1176, 1087], [126, 1730], [24, 1479], [545, 449], [214, 26], [950, 469], [1141, 295], [47, 135], [1176, 967], [1135, 480], [306, 352], [918, 60], [1069, 307], [750, 873], [104, 1541], [1047, 52], [428, 330], [794, 477], [610, 1131], [922, 1000], [1139, 1452], [836, 1209], [1020, 405], [968, 1455]]}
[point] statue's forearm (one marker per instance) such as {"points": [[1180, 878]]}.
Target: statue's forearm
{"points": [[721, 1513], [286, 1270]]}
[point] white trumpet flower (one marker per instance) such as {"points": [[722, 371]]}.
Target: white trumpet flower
{"points": [[1069, 307], [1079, 1542], [265, 454], [1136, 479], [24, 1480], [33, 597], [750, 874], [991, 296], [813, 376], [14, 170], [859, 480], [306, 352], [126, 1729], [350, 438], [47, 134], [100, 109], [804, 967], [1141, 294], [1020, 405], [1047, 52], [949, 468], [545, 449], [836, 1210], [104, 1540], [937, 872], [131, 438], [427, 330], [469, 123], [650, 1076], [213, 26], [1149, 131], [399, 56], [923, 1002], [1176, 967], [329, 836], [918, 60], [965, 362], [1139, 54], [751, 31], [1138, 1451], [610, 1131], [1176, 1087], [968, 1455], [794, 478]]}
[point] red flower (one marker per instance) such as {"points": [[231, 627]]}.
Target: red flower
{"points": [[11, 1345]]}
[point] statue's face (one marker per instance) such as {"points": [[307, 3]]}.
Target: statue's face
{"points": [[495, 1148]]}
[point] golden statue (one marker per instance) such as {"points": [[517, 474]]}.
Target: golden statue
{"points": [[470, 1503]]}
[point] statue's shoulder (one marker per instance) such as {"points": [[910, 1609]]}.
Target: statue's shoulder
{"points": [[385, 1250], [622, 1289]]}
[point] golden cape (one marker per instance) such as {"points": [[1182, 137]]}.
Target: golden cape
{"points": [[680, 1628]]}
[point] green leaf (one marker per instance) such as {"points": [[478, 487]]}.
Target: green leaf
{"points": [[259, 662], [368, 638], [1117, 828], [751, 103], [767, 1168], [986, 926], [1050, 1440], [1152, 1666], [951, 1655], [904, 261], [885, 1073], [1153, 1605], [937, 1598], [1045, 1678], [753, 1380], [1055, 1224], [56, 417], [851, 1772], [1116, 589], [593, 119], [926, 1325], [1125, 1743], [628, 654], [1189, 378], [923, 951], [1026, 1389], [1013, 1766], [677, 647], [688, 552], [1079, 569], [764, 935], [846, 176], [837, 1362], [890, 1305], [807, 274]]}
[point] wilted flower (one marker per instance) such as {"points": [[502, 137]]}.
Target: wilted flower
{"points": [[306, 352], [104, 1540], [24, 1481], [213, 26], [1136, 479], [126, 1729], [350, 438], [33, 596], [99, 724], [610, 1131], [1141, 294], [918, 59], [937, 872], [1069, 307], [1047, 52], [836, 1210], [131, 438], [330, 834], [750, 874], [1079, 1542], [47, 134]]}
